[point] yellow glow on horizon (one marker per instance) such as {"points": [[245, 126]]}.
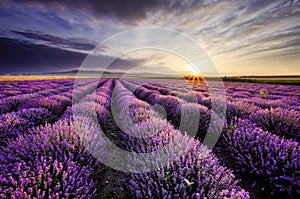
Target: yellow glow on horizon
{"points": [[192, 70]]}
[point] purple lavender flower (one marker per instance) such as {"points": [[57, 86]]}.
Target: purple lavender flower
{"points": [[280, 121], [14, 123], [50, 162], [193, 175], [271, 159]]}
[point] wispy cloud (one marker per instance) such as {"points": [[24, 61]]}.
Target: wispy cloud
{"points": [[234, 33]]}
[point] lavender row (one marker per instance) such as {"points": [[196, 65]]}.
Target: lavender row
{"points": [[269, 159], [16, 123], [35, 112], [14, 103], [14, 88], [102, 95], [232, 88], [54, 161], [50, 162], [284, 122], [262, 95], [194, 174], [51, 99], [94, 105], [259, 94], [284, 155], [181, 114], [280, 121]]}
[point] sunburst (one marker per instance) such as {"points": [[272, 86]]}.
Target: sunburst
{"points": [[194, 78]]}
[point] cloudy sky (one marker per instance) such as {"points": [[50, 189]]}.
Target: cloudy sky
{"points": [[250, 37]]}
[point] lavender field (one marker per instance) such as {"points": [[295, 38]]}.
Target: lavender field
{"points": [[50, 133]]}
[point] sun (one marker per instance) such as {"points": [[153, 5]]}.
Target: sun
{"points": [[193, 76]]}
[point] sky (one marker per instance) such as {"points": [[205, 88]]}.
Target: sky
{"points": [[249, 37]]}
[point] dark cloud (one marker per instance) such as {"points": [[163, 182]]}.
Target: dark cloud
{"points": [[25, 57], [129, 10], [72, 43]]}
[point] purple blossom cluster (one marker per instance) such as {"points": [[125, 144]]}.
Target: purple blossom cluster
{"points": [[194, 174], [160, 89], [50, 162], [279, 121], [101, 95], [15, 123], [13, 103], [13, 88], [92, 110], [265, 156], [83, 88], [239, 109]]}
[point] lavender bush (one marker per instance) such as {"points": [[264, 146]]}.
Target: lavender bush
{"points": [[91, 110], [14, 123], [266, 157], [239, 109], [50, 162], [195, 174], [194, 115], [13, 103], [280, 121]]}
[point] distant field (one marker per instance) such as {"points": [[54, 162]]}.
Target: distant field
{"points": [[37, 77], [294, 80], [274, 78]]}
